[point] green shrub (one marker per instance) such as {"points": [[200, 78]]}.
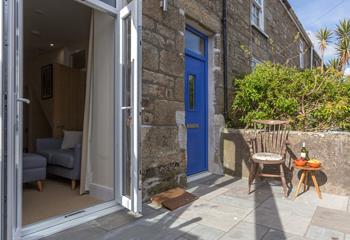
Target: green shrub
{"points": [[309, 99]]}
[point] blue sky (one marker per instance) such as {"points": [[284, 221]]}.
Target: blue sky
{"points": [[315, 14]]}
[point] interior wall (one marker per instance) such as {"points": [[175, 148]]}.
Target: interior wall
{"points": [[39, 120], [102, 137], [38, 114]]}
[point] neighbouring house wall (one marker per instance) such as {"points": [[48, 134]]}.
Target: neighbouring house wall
{"points": [[276, 45], [332, 148]]}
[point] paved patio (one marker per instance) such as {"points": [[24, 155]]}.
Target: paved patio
{"points": [[224, 211]]}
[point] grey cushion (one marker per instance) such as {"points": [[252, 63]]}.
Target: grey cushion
{"points": [[63, 158], [269, 157], [48, 153], [32, 160]]}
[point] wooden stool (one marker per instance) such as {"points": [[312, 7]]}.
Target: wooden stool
{"points": [[306, 171]]}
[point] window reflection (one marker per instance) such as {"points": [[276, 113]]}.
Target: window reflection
{"points": [[194, 42], [191, 90], [110, 2]]}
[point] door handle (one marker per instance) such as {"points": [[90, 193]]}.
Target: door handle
{"points": [[126, 108], [23, 100], [192, 125]]}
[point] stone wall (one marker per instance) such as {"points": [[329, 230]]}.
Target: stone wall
{"points": [[332, 148], [163, 119], [163, 131], [275, 44]]}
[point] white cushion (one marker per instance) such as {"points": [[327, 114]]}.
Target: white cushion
{"points": [[264, 156], [71, 139]]}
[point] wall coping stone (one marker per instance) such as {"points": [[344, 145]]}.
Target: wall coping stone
{"points": [[320, 134]]}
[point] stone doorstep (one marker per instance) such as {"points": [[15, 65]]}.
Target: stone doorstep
{"points": [[332, 219]]}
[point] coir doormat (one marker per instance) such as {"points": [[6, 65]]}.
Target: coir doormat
{"points": [[173, 198]]}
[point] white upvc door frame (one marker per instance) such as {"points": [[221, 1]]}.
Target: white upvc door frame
{"points": [[2, 147], [101, 6], [13, 72], [134, 201], [13, 42]]}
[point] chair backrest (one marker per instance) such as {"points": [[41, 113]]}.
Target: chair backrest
{"points": [[271, 136]]}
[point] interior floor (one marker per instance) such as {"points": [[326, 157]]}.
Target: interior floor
{"points": [[57, 199]]}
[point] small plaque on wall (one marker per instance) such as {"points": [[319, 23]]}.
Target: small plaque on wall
{"points": [[46, 82]]}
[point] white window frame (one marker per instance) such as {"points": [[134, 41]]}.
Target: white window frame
{"points": [[302, 54], [260, 7]]}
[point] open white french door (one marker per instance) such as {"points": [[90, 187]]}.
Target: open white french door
{"points": [[12, 73], [2, 146], [129, 177], [128, 85]]}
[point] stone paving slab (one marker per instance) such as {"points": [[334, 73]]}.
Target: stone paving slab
{"points": [[328, 200], [164, 226], [278, 235], [212, 214], [320, 233], [332, 219], [288, 207], [83, 232], [225, 211], [283, 221], [246, 231], [202, 232], [203, 192], [114, 220]]}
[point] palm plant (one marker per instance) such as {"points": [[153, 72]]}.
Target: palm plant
{"points": [[334, 64], [324, 37], [343, 43]]}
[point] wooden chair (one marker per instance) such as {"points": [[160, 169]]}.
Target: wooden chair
{"points": [[268, 147]]}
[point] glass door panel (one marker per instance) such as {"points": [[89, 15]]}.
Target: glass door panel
{"points": [[129, 50]]}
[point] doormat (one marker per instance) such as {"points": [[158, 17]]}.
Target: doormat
{"points": [[173, 198]]}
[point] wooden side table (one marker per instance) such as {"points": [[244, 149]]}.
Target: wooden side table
{"points": [[306, 171]]}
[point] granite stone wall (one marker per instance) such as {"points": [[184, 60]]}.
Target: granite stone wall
{"points": [[276, 43], [332, 148], [163, 118]]}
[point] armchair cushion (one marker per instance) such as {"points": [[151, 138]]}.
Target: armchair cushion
{"points": [[63, 158], [48, 144], [71, 139], [48, 153]]}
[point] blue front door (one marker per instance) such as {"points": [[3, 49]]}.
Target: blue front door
{"points": [[196, 101]]}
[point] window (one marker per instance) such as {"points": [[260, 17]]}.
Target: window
{"points": [[255, 62], [191, 91], [257, 13], [194, 42], [302, 54], [109, 2]]}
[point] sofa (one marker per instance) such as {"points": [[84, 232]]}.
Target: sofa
{"points": [[61, 162]]}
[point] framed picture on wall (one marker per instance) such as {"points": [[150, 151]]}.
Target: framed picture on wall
{"points": [[46, 82]]}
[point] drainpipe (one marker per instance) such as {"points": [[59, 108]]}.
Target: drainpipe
{"points": [[224, 30]]}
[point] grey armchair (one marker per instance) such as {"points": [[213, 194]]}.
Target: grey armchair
{"points": [[60, 162]]}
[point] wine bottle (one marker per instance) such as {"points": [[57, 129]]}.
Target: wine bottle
{"points": [[304, 152]]}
